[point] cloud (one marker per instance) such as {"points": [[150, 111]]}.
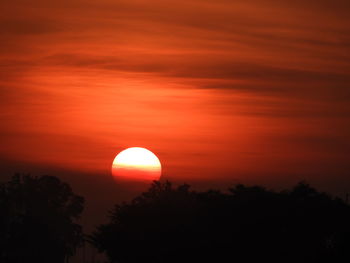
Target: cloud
{"points": [[28, 26], [184, 77]]}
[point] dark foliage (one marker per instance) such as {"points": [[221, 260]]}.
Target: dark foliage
{"points": [[37, 220], [248, 224]]}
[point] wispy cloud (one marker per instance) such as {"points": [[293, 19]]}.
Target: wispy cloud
{"points": [[201, 82]]}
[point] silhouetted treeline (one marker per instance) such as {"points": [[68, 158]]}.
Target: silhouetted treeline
{"points": [[247, 224], [170, 224], [37, 220]]}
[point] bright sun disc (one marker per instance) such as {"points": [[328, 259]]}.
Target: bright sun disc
{"points": [[136, 163]]}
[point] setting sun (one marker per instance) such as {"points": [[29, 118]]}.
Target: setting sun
{"points": [[136, 163]]}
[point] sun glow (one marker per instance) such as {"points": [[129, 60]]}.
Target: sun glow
{"points": [[136, 163]]}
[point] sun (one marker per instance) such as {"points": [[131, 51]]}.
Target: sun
{"points": [[136, 163]]}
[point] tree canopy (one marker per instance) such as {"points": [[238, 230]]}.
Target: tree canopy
{"points": [[38, 220], [245, 224]]}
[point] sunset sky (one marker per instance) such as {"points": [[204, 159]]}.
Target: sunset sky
{"points": [[251, 91]]}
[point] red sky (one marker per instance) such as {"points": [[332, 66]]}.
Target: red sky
{"points": [[253, 91]]}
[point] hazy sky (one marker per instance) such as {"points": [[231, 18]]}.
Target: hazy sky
{"points": [[222, 91]]}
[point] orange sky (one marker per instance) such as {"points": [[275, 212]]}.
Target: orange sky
{"points": [[254, 91]]}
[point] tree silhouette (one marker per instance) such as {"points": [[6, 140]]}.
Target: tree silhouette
{"points": [[37, 220], [247, 224]]}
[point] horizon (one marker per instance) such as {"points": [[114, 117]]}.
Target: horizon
{"points": [[222, 93]]}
